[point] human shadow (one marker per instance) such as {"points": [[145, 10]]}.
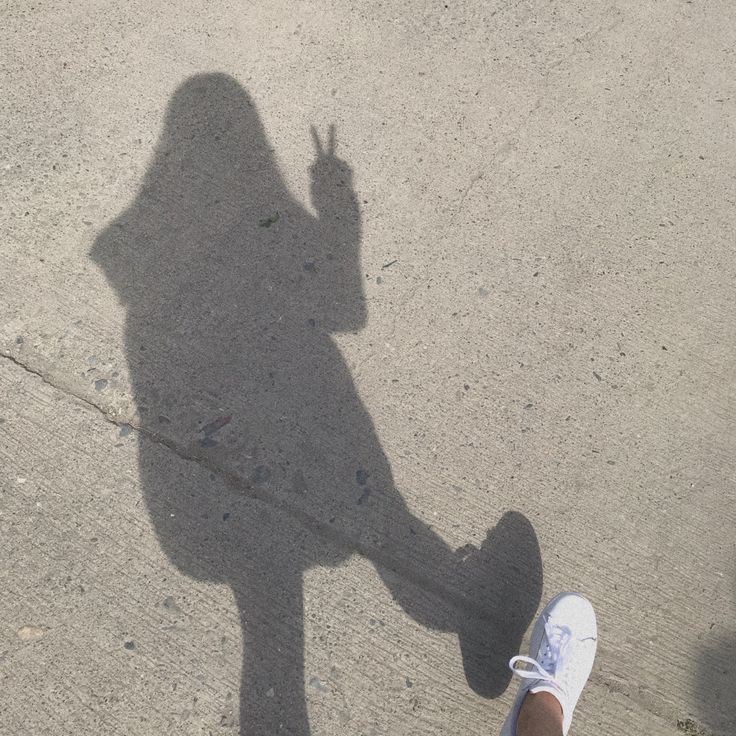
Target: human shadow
{"points": [[232, 291]]}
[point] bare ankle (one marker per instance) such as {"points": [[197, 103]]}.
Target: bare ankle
{"points": [[540, 715]]}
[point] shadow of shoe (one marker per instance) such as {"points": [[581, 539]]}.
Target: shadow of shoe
{"points": [[507, 585]]}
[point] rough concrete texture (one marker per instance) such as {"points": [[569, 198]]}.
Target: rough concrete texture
{"points": [[298, 439]]}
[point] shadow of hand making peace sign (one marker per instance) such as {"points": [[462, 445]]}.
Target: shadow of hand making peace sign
{"points": [[232, 290]]}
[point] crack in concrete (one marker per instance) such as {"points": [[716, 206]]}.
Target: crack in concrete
{"points": [[589, 36], [504, 150], [241, 487], [38, 374], [466, 191]]}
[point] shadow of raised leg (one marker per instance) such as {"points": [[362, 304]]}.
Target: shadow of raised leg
{"points": [[489, 596]]}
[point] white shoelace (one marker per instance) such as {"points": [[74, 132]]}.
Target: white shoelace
{"points": [[554, 656]]}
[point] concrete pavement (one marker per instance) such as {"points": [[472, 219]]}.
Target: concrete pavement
{"points": [[298, 440]]}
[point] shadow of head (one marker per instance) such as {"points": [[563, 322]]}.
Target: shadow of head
{"points": [[214, 229]]}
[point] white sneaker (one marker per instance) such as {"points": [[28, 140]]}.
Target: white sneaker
{"points": [[562, 651]]}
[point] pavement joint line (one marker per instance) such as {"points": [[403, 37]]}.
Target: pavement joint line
{"points": [[34, 372], [241, 487]]}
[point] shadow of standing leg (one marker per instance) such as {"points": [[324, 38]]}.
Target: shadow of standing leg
{"points": [[272, 697]]}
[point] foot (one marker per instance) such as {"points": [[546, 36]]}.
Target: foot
{"points": [[561, 657]]}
